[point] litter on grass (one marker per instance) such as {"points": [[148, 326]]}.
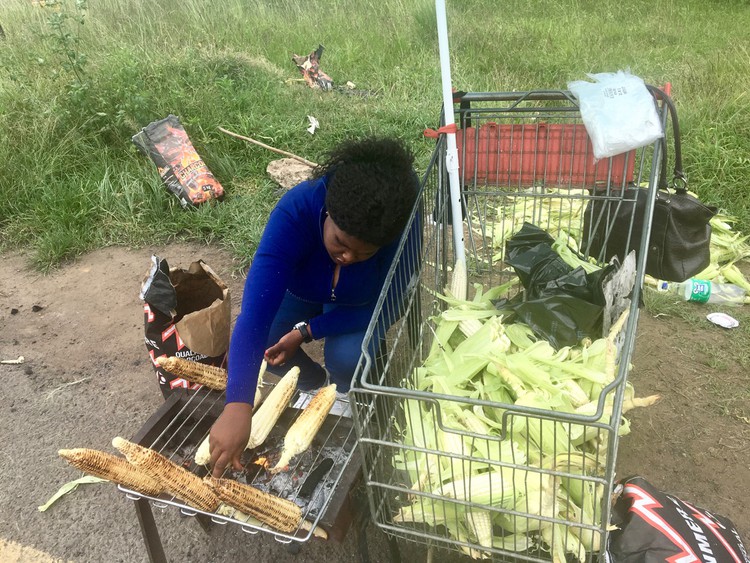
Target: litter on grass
{"points": [[309, 67], [723, 320], [180, 167]]}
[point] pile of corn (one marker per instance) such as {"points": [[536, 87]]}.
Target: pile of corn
{"points": [[468, 472], [564, 214], [475, 467]]}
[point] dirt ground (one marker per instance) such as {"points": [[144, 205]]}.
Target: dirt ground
{"points": [[86, 377]]}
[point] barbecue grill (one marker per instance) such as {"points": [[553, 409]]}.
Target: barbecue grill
{"points": [[321, 480]]}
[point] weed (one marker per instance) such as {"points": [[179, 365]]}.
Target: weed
{"points": [[66, 23]]}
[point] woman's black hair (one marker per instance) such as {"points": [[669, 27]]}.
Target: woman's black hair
{"points": [[371, 189]]}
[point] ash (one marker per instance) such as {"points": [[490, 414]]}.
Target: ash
{"points": [[287, 484]]}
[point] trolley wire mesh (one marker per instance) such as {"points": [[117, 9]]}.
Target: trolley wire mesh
{"points": [[433, 473]]}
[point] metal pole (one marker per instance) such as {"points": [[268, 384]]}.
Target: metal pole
{"points": [[451, 156]]}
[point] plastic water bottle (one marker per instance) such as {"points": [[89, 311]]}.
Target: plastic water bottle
{"points": [[705, 291]]}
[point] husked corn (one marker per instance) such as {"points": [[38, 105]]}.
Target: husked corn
{"points": [[301, 433], [268, 414], [112, 468], [279, 513], [177, 480], [264, 418], [209, 376]]}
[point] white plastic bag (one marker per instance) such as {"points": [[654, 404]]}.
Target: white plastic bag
{"points": [[618, 112]]}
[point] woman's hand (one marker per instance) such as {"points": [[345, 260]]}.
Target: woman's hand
{"points": [[229, 436], [285, 348]]}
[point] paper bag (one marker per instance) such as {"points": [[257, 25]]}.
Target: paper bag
{"points": [[187, 314]]}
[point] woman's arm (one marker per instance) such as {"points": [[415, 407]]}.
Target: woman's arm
{"points": [[279, 251]]}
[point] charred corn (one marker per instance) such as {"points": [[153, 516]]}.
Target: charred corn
{"points": [[300, 435], [226, 510], [264, 418], [279, 513], [175, 479], [112, 468], [209, 376]]}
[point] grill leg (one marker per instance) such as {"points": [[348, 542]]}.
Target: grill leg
{"points": [[149, 531], [395, 552], [205, 522], [294, 548], [364, 552]]}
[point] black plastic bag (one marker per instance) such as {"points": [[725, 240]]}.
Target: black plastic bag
{"points": [[561, 320], [562, 304]]}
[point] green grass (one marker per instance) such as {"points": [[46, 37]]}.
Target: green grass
{"points": [[72, 95]]}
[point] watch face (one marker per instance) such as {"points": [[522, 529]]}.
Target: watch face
{"points": [[302, 328]]}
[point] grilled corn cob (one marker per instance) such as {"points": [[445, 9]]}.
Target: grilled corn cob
{"points": [[209, 376], [264, 418], [226, 510], [276, 512], [175, 479], [112, 468], [300, 435]]}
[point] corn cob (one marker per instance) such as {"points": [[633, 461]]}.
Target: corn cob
{"points": [[300, 435], [112, 468], [276, 512], [258, 387], [479, 523], [209, 376], [269, 412], [459, 281], [231, 512], [264, 418], [175, 479]]}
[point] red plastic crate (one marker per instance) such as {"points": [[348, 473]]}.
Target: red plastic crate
{"points": [[537, 154]]}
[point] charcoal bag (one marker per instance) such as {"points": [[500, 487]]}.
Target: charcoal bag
{"points": [[180, 167], [187, 314]]}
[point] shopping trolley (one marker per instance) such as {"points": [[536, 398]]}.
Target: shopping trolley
{"points": [[432, 478]]}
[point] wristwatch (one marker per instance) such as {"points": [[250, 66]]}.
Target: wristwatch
{"points": [[302, 327]]}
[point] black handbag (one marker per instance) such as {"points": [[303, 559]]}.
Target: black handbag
{"points": [[680, 235]]}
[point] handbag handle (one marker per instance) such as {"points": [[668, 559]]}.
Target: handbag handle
{"points": [[679, 179]]}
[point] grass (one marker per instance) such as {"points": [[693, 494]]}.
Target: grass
{"points": [[72, 94]]}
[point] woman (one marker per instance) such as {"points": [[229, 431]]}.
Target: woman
{"points": [[317, 274]]}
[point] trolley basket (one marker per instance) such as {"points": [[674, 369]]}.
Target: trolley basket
{"points": [[479, 431]]}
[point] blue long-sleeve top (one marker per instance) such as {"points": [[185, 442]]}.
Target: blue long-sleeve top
{"points": [[291, 257]]}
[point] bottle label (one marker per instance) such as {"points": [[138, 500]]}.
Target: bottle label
{"points": [[700, 291]]}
